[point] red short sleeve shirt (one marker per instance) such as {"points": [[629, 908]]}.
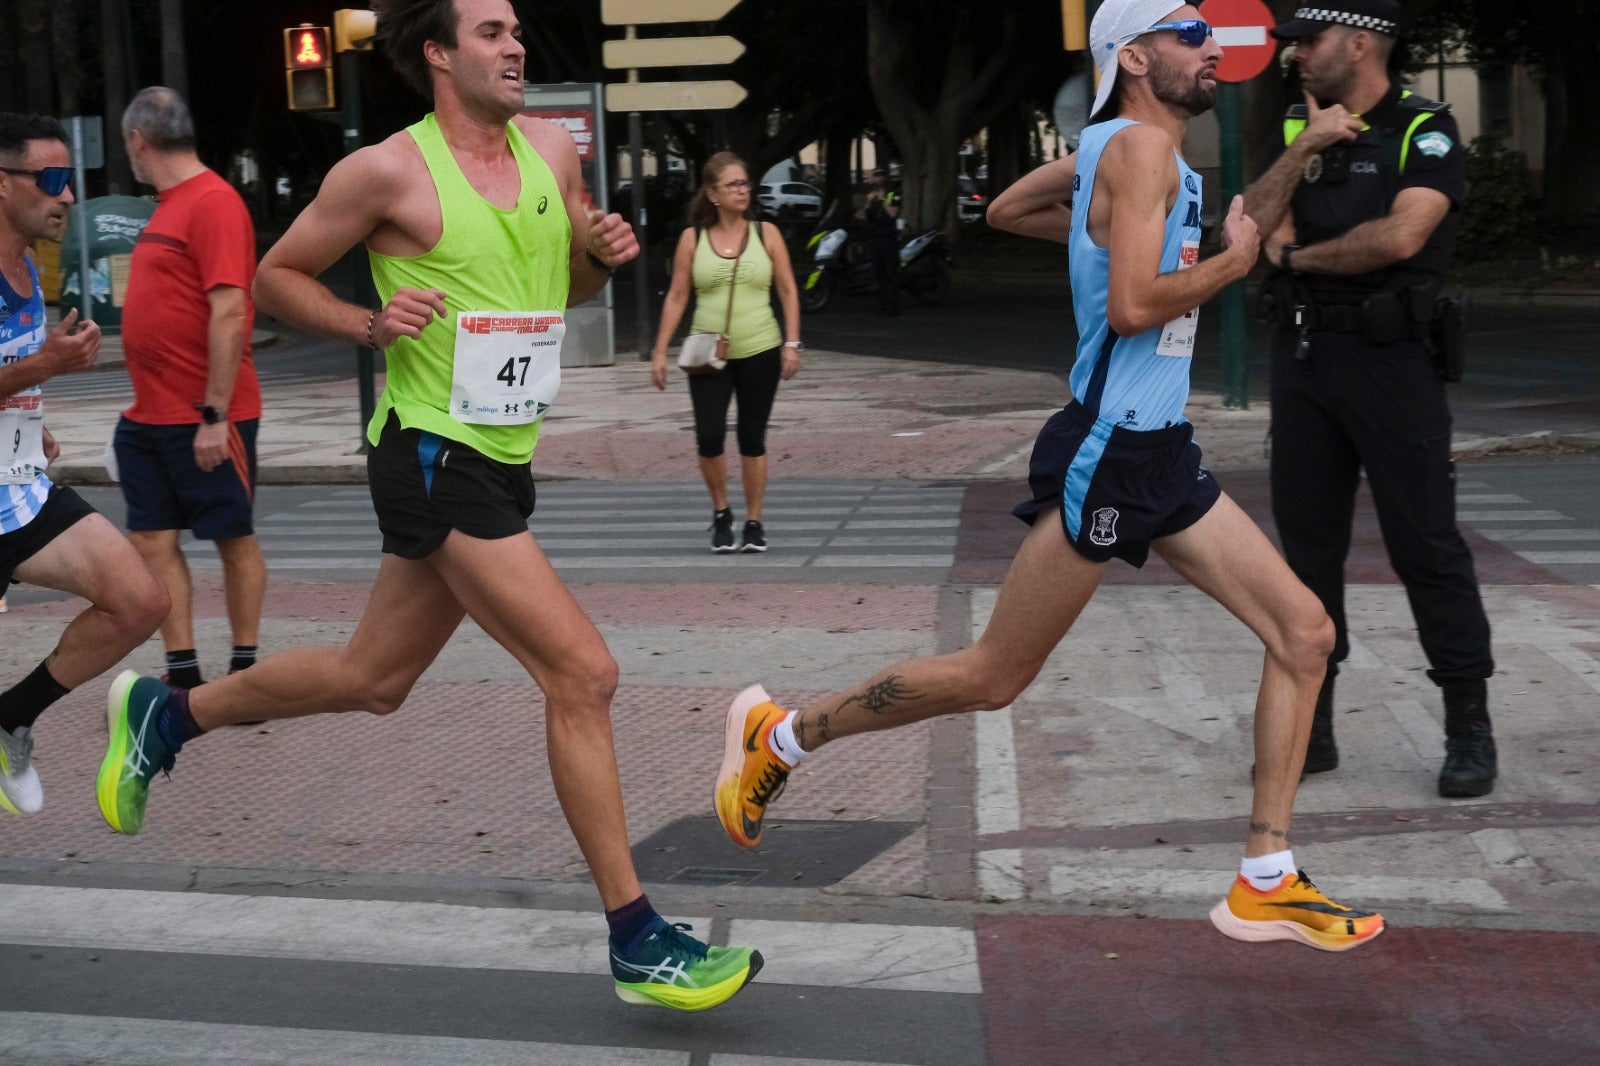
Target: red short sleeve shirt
{"points": [[200, 237]]}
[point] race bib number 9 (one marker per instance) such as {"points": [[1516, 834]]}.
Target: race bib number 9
{"points": [[1177, 336], [507, 366], [21, 439]]}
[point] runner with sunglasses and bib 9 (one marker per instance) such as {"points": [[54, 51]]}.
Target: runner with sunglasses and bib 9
{"points": [[1361, 208], [1114, 475], [48, 535]]}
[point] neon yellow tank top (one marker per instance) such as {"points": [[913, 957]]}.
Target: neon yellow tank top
{"points": [[486, 260], [754, 328]]}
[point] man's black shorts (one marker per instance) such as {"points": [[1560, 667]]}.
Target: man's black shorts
{"points": [[62, 508], [166, 489], [1117, 489], [425, 485]]}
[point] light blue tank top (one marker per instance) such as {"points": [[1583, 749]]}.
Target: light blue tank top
{"points": [[1139, 382]]}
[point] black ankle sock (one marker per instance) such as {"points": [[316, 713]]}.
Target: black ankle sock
{"points": [[23, 703], [244, 657], [175, 724], [629, 920], [183, 669]]}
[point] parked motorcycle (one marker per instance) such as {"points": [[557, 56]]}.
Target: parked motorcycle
{"points": [[840, 262]]}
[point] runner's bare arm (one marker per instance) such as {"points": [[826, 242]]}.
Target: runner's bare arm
{"points": [[606, 237], [1039, 204], [353, 203], [1138, 175]]}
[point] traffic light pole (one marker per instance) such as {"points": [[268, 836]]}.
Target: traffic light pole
{"points": [[641, 273], [361, 291]]}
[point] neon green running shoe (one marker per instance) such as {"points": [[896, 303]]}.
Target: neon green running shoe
{"points": [[136, 752], [666, 967]]}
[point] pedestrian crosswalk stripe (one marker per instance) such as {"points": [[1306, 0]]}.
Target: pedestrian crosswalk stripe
{"points": [[1080, 881], [30, 1037], [916, 958]]}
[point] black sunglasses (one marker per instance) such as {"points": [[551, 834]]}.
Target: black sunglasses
{"points": [[51, 180]]}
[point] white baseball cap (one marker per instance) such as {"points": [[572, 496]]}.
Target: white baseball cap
{"points": [[1116, 24]]}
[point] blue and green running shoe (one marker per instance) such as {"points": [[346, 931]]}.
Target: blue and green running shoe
{"points": [[136, 752], [666, 967]]}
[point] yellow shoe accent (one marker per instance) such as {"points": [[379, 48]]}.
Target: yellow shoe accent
{"points": [[1294, 910], [686, 999], [751, 775]]}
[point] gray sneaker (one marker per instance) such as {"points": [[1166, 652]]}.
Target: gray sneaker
{"points": [[20, 791]]}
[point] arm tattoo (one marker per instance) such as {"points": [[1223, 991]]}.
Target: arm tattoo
{"points": [[1263, 829], [880, 697]]}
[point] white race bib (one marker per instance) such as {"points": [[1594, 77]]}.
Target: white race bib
{"points": [[1177, 336], [22, 438], [507, 366]]}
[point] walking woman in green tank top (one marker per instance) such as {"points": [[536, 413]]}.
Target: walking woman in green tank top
{"points": [[721, 235]]}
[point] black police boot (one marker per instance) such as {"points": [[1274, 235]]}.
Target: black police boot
{"points": [[1470, 765], [1322, 754]]}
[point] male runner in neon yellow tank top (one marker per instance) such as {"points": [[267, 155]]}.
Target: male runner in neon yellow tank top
{"points": [[474, 223]]}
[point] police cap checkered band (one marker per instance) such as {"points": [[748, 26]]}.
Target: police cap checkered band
{"points": [[1379, 16]]}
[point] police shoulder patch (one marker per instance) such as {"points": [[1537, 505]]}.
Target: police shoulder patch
{"points": [[1433, 143]]}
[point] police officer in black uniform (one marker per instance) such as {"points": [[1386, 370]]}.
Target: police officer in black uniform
{"points": [[1361, 210]]}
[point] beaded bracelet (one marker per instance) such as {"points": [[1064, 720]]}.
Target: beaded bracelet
{"points": [[373, 317]]}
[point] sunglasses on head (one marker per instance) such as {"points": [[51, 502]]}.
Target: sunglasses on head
{"points": [[1192, 32], [51, 180]]}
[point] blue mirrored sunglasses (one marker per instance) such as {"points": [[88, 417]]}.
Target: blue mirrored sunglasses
{"points": [[1192, 32], [51, 180]]}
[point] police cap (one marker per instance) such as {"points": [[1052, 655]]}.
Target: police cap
{"points": [[1314, 16]]}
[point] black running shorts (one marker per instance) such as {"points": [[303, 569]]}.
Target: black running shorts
{"points": [[424, 485], [62, 508]]}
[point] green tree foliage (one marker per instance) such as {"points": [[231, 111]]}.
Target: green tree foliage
{"points": [[1497, 217]]}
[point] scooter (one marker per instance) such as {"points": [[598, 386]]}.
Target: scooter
{"points": [[840, 262]]}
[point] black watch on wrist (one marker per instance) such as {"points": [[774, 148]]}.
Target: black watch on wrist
{"points": [[1283, 258], [210, 415]]}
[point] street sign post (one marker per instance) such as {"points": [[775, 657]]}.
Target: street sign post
{"points": [[1241, 28], [636, 97]]}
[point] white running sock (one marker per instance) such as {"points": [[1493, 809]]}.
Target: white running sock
{"points": [[784, 746], [1267, 871]]}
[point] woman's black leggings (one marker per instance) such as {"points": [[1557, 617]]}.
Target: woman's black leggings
{"points": [[755, 380]]}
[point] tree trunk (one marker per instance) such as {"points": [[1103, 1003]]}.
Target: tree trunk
{"points": [[929, 138], [114, 30], [65, 25], [1572, 152], [34, 44], [174, 62]]}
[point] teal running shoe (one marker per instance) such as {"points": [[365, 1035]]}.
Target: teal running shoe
{"points": [[136, 752], [666, 967]]}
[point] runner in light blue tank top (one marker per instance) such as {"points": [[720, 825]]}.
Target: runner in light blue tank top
{"points": [[1139, 382]]}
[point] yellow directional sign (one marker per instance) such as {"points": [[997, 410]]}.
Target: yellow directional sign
{"points": [[674, 96], [650, 12], [672, 52]]}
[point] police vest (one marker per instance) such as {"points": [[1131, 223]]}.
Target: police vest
{"points": [[1337, 192]]}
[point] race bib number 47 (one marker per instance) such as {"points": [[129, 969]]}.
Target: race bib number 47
{"points": [[507, 366]]}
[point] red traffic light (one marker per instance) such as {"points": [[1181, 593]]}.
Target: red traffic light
{"points": [[306, 48]]}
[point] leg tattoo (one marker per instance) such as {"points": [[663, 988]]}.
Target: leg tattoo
{"points": [[882, 696], [1260, 829]]}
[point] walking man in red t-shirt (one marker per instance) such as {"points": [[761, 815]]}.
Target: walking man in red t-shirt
{"points": [[186, 449]]}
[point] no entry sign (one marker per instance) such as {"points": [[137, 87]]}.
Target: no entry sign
{"points": [[1241, 29]]}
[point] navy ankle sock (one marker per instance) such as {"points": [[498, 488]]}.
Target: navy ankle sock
{"points": [[629, 920], [175, 724], [183, 669], [244, 657], [23, 703]]}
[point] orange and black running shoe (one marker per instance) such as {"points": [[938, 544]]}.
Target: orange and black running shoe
{"points": [[751, 775], [1294, 910]]}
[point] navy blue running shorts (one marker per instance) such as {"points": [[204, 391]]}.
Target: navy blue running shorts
{"points": [[1117, 489], [165, 489], [424, 485]]}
